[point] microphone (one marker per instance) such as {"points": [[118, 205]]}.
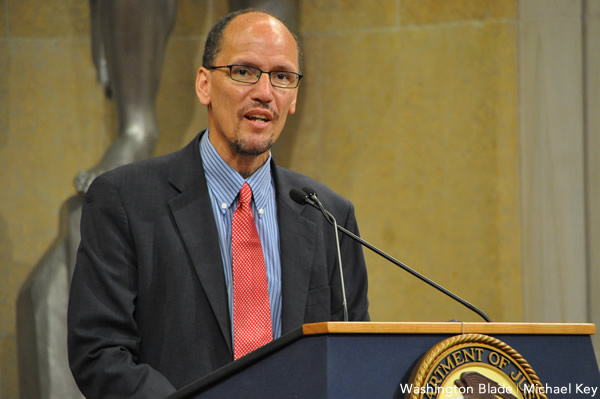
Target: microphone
{"points": [[310, 197], [300, 197]]}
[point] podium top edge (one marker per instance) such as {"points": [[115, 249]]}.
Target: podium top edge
{"points": [[448, 328]]}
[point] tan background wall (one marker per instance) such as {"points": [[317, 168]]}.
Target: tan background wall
{"points": [[409, 108]]}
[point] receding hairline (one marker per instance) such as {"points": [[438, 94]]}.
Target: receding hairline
{"points": [[219, 30]]}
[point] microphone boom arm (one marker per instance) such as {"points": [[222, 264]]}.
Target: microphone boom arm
{"points": [[405, 267]]}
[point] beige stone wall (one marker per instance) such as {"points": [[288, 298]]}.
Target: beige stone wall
{"points": [[408, 108]]}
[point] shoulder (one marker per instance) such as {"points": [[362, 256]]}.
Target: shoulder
{"points": [[151, 168], [151, 176]]}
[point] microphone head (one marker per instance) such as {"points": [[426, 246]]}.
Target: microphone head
{"points": [[309, 191], [298, 196]]}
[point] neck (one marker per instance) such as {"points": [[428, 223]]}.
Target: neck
{"points": [[246, 165]]}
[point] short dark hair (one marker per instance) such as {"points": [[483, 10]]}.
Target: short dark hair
{"points": [[212, 47]]}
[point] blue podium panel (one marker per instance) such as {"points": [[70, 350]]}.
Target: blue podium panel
{"points": [[384, 365], [299, 369], [368, 365], [559, 361], [327, 366]]}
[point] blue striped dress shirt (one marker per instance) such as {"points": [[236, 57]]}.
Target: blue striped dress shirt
{"points": [[224, 185]]}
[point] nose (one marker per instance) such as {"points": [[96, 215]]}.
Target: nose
{"points": [[263, 90]]}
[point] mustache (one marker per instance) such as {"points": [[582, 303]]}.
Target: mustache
{"points": [[258, 104]]}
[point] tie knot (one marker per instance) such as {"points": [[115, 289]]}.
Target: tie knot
{"points": [[245, 194]]}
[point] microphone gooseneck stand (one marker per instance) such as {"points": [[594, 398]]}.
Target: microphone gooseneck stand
{"points": [[309, 197]]}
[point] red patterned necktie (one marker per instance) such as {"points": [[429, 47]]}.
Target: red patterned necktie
{"points": [[251, 309]]}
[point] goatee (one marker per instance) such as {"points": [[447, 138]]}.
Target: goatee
{"points": [[240, 147]]}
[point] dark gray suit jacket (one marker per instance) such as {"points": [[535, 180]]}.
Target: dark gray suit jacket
{"points": [[148, 310]]}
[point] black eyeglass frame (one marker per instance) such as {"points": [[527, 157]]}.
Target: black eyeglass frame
{"points": [[212, 68]]}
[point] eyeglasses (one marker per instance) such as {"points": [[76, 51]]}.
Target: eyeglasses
{"points": [[248, 74]]}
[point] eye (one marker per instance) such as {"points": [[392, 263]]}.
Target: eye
{"points": [[283, 77], [241, 71], [244, 73]]}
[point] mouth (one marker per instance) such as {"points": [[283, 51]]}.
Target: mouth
{"points": [[259, 115], [257, 118]]}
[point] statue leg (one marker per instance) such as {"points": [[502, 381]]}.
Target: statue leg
{"points": [[42, 315], [98, 55], [133, 39]]}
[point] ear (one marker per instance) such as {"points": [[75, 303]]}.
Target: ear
{"points": [[203, 86], [292, 109]]}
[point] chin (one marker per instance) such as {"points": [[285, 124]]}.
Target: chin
{"points": [[243, 147]]}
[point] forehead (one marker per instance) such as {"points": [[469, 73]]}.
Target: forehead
{"points": [[258, 38]]}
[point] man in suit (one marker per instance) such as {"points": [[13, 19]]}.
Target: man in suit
{"points": [[153, 303]]}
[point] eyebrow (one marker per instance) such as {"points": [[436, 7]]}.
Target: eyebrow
{"points": [[255, 65]]}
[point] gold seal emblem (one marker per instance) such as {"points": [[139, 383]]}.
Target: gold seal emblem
{"points": [[473, 366]]}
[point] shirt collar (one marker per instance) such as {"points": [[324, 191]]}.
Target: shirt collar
{"points": [[225, 182]]}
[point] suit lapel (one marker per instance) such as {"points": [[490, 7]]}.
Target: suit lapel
{"points": [[194, 218], [297, 242]]}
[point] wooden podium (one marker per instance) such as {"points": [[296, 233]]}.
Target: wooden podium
{"points": [[374, 360]]}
